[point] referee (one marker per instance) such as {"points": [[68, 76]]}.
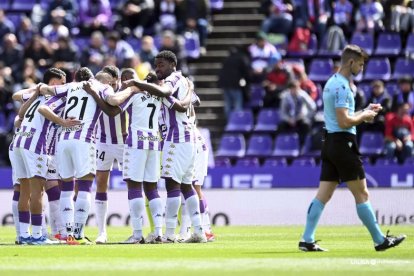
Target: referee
{"points": [[341, 160]]}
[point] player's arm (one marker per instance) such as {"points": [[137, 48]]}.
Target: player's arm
{"points": [[109, 110], [18, 96], [153, 89], [347, 121], [184, 104], [17, 121], [120, 97], [47, 90], [48, 113], [26, 105]]}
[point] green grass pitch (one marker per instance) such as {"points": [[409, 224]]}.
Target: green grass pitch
{"points": [[237, 251]]}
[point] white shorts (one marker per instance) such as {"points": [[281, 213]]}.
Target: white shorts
{"points": [[52, 173], [200, 166], [15, 180], [75, 158], [141, 165], [106, 154], [27, 164], [178, 162]]}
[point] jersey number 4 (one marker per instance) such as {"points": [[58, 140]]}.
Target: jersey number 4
{"points": [[31, 112], [73, 102]]}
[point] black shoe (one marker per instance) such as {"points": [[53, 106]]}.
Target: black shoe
{"points": [[310, 246], [390, 241]]}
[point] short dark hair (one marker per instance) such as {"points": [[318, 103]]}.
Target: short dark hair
{"points": [[127, 71], [83, 74], [151, 77], [353, 51], [111, 70], [167, 55], [114, 35], [53, 73]]}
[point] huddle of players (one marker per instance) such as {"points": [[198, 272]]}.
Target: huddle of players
{"points": [[54, 147]]}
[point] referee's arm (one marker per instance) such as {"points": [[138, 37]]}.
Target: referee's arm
{"points": [[347, 121]]}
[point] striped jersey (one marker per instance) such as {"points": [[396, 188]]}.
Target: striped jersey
{"points": [[143, 111], [58, 106], [180, 128], [81, 106], [112, 130], [33, 129]]}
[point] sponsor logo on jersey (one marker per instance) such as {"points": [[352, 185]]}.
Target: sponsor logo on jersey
{"points": [[72, 128]]}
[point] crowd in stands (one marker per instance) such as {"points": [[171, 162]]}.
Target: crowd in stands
{"points": [[298, 49], [37, 34]]}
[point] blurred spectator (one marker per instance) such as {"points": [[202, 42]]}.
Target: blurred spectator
{"points": [[399, 133], [6, 92], [11, 55], [26, 31], [136, 16], [280, 18], [334, 40], [142, 68], [359, 96], [296, 111], [342, 15], [40, 51], [94, 15], [6, 26], [68, 9], [402, 16], [380, 96], [263, 55], [55, 29], [166, 12], [66, 53], [404, 95], [148, 50], [31, 75], [275, 83], [120, 49], [233, 74], [369, 17], [319, 11], [93, 55], [305, 83], [174, 44]]}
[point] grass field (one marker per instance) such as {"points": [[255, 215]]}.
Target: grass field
{"points": [[237, 250]]}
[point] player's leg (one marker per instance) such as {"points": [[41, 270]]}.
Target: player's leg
{"points": [[156, 207], [205, 217], [15, 208], [367, 216], [53, 196], [185, 221], [24, 211], [37, 185]]}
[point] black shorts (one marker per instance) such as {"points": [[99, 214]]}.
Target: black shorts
{"points": [[341, 159]]}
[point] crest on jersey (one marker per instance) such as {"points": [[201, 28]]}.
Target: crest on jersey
{"points": [[168, 166], [350, 144]]}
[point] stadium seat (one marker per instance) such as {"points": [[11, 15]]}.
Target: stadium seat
{"points": [[304, 162], [23, 5], [216, 4], [81, 42], [248, 162], [192, 45], [311, 51], [222, 162], [275, 162], [267, 120], [392, 88], [257, 93], [232, 146], [409, 48], [287, 145], [308, 149], [240, 121], [259, 146], [320, 69], [135, 43], [366, 88], [378, 68], [364, 40], [388, 44], [372, 143], [280, 41], [382, 161], [402, 67], [15, 18], [5, 5], [294, 61]]}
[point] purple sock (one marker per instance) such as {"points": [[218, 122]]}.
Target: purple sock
{"points": [[173, 193], [152, 194], [134, 193], [53, 193], [101, 196], [16, 195], [36, 219], [85, 185], [202, 206], [24, 216], [188, 194], [68, 186]]}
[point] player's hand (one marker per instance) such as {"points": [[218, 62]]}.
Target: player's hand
{"points": [[375, 107], [87, 86], [369, 115], [70, 122], [128, 83]]}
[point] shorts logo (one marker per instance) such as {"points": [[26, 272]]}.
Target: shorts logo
{"points": [[168, 166], [39, 166], [171, 152], [350, 144], [40, 159], [126, 161], [167, 173], [169, 160], [127, 153], [172, 146], [51, 171], [126, 167]]}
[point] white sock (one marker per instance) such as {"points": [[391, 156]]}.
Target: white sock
{"points": [[15, 210], [67, 210], [37, 231], [101, 210], [155, 206], [82, 207], [206, 220], [193, 207], [24, 229], [171, 213], [136, 209], [56, 224], [185, 225]]}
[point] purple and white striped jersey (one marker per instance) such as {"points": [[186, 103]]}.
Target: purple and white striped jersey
{"points": [[199, 139], [143, 112], [81, 106], [33, 129], [112, 130], [58, 106], [180, 128]]}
